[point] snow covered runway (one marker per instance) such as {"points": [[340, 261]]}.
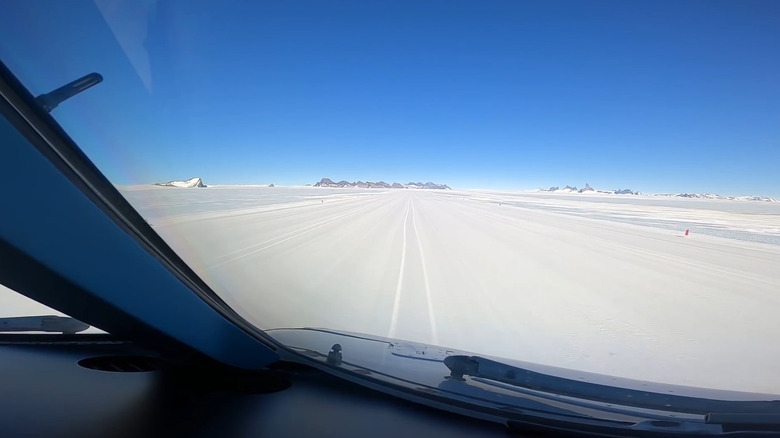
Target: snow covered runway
{"points": [[582, 282]]}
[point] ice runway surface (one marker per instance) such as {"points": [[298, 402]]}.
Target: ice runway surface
{"points": [[600, 284]]}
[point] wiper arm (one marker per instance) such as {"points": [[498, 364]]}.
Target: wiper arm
{"points": [[48, 323], [49, 101], [480, 367]]}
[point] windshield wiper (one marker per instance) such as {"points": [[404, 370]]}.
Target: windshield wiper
{"points": [[47, 323], [49, 101], [479, 367]]}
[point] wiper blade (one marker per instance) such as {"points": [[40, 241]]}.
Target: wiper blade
{"points": [[48, 323], [49, 101], [480, 367]]}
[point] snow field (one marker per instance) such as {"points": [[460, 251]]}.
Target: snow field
{"points": [[587, 283]]}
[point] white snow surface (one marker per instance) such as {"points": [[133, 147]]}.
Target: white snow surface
{"points": [[599, 283]]}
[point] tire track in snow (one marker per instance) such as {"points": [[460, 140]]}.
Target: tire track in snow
{"points": [[431, 315], [291, 235], [221, 258], [397, 303]]}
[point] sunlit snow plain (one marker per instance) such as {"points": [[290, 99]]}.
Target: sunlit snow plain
{"points": [[601, 283]]}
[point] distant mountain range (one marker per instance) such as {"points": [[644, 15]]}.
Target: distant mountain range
{"points": [[716, 196], [327, 182], [190, 183], [589, 189]]}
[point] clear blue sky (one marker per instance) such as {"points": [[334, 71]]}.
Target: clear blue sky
{"points": [[651, 95]]}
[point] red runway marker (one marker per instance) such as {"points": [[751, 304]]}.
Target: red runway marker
{"points": [[686, 232]]}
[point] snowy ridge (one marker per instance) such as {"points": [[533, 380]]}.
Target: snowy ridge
{"points": [[716, 196], [190, 183], [588, 189]]}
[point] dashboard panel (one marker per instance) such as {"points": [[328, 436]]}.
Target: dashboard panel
{"points": [[50, 388]]}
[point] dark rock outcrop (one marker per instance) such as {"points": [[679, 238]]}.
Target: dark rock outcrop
{"points": [[327, 182]]}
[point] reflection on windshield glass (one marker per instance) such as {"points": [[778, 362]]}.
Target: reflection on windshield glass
{"points": [[591, 187]]}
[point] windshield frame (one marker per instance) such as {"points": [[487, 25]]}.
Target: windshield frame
{"points": [[29, 123]]}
